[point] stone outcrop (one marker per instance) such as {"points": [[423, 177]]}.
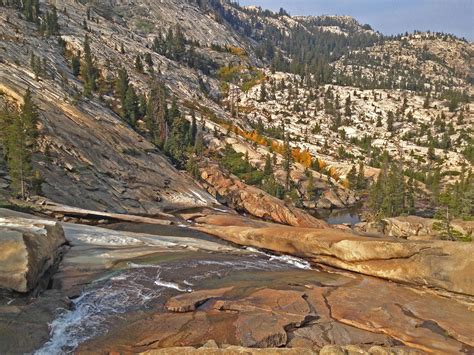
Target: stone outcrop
{"points": [[344, 314], [187, 302], [254, 201], [28, 248], [412, 227], [437, 264], [229, 350]]}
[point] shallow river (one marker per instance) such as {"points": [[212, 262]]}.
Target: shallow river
{"points": [[144, 285]]}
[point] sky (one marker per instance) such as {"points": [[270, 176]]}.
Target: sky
{"points": [[388, 16]]}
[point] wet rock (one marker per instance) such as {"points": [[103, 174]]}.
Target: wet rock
{"points": [[189, 302], [28, 248], [436, 264], [24, 320]]}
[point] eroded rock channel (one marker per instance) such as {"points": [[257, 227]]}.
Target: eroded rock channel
{"points": [[141, 288]]}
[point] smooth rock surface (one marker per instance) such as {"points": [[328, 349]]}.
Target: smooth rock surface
{"points": [[254, 201], [436, 264], [28, 248]]}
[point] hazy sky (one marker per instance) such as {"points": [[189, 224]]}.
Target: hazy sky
{"points": [[388, 16]]}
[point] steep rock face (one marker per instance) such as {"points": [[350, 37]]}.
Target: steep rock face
{"points": [[28, 248], [92, 159], [254, 201], [436, 264]]}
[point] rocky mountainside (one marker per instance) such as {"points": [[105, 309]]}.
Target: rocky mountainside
{"points": [[160, 143], [231, 54]]}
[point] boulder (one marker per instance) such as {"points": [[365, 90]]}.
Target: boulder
{"points": [[254, 201], [188, 302], [28, 248]]}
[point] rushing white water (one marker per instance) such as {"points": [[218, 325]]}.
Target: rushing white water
{"points": [[137, 286], [172, 285], [132, 289], [288, 259]]}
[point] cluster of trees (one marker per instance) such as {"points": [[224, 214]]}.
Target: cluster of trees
{"points": [[48, 24], [86, 68], [391, 195], [133, 107], [239, 165], [18, 135], [175, 46], [356, 178], [456, 201]]}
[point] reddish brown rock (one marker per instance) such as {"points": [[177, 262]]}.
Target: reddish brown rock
{"points": [[419, 319], [436, 264], [254, 201], [230, 350], [187, 302]]}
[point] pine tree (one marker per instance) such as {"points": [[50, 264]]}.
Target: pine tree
{"points": [[156, 114], [193, 128], [121, 84], [178, 141], [410, 196], [431, 155], [263, 93], [174, 112], [76, 64], [347, 110], [287, 161], [268, 168], [138, 64], [130, 106], [199, 144], [352, 178], [426, 103], [51, 23], [31, 10], [361, 183], [21, 143], [390, 120], [88, 70], [149, 61]]}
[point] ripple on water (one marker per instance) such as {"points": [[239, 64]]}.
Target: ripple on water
{"points": [[138, 285]]}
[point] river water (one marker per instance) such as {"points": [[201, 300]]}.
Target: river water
{"points": [[348, 216], [145, 284]]}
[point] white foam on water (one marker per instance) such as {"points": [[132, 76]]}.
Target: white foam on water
{"points": [[172, 285], [220, 210], [107, 239], [292, 260], [90, 314], [132, 265], [287, 259]]}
